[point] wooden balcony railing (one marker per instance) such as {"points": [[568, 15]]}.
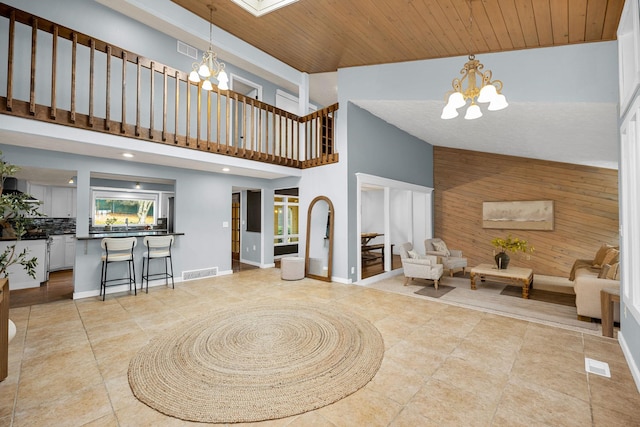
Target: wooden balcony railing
{"points": [[58, 75]]}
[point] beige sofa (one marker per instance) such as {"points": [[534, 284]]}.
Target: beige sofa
{"points": [[590, 277]]}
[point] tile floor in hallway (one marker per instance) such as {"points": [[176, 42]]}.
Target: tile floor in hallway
{"points": [[443, 365]]}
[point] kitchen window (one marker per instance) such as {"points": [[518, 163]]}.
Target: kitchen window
{"points": [[124, 208]]}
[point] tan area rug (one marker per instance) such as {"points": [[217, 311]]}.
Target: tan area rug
{"points": [[540, 295], [257, 362], [431, 291]]}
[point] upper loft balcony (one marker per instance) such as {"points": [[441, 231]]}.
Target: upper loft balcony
{"points": [[54, 74]]}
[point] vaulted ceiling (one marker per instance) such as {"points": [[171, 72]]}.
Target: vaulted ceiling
{"points": [[317, 36], [321, 36]]}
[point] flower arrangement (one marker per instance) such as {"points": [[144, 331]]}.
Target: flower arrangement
{"points": [[511, 244]]}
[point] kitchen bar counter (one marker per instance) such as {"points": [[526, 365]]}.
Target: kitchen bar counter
{"points": [[36, 249], [88, 264], [141, 233], [13, 239]]}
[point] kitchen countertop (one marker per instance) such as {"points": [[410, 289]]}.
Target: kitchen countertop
{"points": [[141, 233], [23, 239]]}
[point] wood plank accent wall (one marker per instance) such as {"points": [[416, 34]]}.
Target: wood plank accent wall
{"points": [[585, 203]]}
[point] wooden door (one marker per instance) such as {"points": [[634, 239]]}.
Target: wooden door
{"points": [[235, 227]]}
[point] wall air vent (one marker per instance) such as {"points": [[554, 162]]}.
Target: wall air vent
{"points": [[187, 50], [199, 274]]}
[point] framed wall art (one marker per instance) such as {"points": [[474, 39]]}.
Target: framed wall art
{"points": [[518, 215]]}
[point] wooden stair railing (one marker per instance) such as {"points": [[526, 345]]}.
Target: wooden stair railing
{"points": [[76, 80]]}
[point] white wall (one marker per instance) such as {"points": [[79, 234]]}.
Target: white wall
{"points": [[629, 52]]}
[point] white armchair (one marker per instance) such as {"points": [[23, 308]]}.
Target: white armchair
{"points": [[419, 266], [451, 259]]}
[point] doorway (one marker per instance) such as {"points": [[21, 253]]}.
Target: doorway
{"points": [[235, 227], [391, 213], [244, 114]]}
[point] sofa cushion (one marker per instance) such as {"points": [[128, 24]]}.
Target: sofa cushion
{"points": [[611, 257], [441, 246], [587, 272], [413, 254], [604, 271], [604, 255], [613, 272]]}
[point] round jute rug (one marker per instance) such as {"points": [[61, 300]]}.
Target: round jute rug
{"points": [[257, 362]]}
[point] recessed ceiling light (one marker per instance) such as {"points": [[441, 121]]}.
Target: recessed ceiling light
{"points": [[127, 155], [225, 169]]}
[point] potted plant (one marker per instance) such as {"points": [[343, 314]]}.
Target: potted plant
{"points": [[15, 210], [108, 222], [15, 213], [511, 244]]}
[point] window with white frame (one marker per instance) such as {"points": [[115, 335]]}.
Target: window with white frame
{"points": [[119, 207], [285, 220]]}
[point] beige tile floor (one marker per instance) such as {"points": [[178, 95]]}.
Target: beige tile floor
{"points": [[443, 365]]}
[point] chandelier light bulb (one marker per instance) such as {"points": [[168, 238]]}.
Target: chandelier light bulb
{"points": [[456, 100], [204, 70], [449, 112], [473, 112], [499, 103], [206, 85], [194, 77], [487, 93], [223, 80]]}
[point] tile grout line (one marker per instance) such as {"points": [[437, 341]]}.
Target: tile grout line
{"points": [[15, 397]]}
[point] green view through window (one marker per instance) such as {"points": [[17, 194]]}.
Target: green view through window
{"points": [[120, 208]]}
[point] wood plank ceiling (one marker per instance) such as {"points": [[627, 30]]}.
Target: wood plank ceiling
{"points": [[323, 35]]}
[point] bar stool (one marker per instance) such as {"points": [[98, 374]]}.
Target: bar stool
{"points": [[118, 249], [158, 247]]}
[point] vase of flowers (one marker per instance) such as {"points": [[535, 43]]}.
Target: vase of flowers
{"points": [[511, 244]]}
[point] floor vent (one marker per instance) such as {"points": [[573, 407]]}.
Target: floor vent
{"points": [[199, 274], [185, 49], [597, 367]]}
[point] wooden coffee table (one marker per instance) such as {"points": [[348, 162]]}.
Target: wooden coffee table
{"points": [[517, 275]]}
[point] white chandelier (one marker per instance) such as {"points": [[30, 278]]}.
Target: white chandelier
{"points": [[488, 91], [209, 67]]}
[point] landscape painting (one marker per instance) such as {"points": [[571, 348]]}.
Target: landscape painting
{"points": [[521, 215]]}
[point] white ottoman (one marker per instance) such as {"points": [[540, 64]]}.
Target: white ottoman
{"points": [[292, 268]]}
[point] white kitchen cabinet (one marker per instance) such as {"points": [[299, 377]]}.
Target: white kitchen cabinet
{"points": [[69, 251], [63, 202], [63, 252], [43, 194], [57, 255]]}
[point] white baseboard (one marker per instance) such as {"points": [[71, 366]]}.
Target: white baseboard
{"points": [[633, 367], [379, 277]]}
